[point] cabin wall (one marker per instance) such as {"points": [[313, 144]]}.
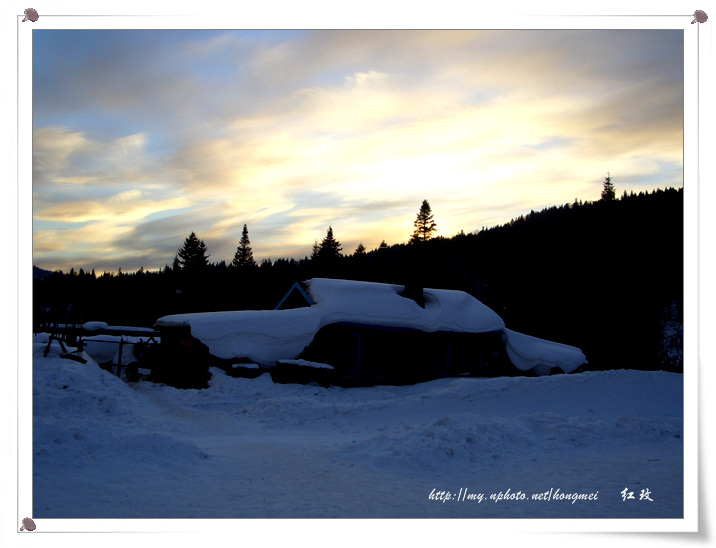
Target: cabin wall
{"points": [[181, 360], [373, 355], [360, 356]]}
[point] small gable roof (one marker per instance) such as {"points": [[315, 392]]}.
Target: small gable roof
{"points": [[295, 297]]}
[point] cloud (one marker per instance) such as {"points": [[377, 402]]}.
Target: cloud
{"points": [[52, 149]]}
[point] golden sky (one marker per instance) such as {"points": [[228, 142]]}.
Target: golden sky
{"points": [[141, 137]]}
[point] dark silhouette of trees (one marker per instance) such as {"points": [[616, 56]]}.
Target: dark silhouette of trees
{"points": [[326, 258], [360, 250], [244, 256], [424, 224], [193, 256], [543, 273], [608, 193]]}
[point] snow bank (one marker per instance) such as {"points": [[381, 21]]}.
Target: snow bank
{"points": [[266, 336], [469, 439], [527, 353]]}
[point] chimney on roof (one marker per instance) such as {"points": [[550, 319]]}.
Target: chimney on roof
{"points": [[414, 264], [414, 290]]}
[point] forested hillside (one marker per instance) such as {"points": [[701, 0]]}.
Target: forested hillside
{"points": [[605, 276]]}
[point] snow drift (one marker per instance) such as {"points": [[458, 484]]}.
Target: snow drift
{"points": [[245, 448]]}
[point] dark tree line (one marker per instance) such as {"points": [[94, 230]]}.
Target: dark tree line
{"points": [[606, 276]]}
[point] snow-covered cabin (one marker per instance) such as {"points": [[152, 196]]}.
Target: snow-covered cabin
{"points": [[353, 333]]}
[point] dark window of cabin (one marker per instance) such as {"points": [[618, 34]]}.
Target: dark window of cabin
{"points": [[372, 353], [352, 352], [443, 357]]}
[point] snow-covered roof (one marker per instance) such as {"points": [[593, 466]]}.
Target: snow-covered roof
{"points": [[266, 336]]}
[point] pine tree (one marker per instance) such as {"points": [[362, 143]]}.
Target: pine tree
{"points": [[360, 250], [192, 256], [608, 190], [315, 250], [424, 224], [244, 256], [330, 248]]}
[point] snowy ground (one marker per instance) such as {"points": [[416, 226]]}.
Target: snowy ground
{"points": [[243, 448]]}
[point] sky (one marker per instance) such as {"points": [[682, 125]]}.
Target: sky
{"points": [[142, 136]]}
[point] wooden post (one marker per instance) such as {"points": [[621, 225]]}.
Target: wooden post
{"points": [[119, 358]]}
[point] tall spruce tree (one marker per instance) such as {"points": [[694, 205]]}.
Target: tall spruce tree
{"points": [[192, 256], [608, 189], [330, 248], [424, 224], [244, 256]]}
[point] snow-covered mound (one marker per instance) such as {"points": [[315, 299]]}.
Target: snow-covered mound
{"points": [[527, 353], [83, 414]]}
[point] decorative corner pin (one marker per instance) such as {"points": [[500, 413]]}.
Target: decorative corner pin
{"points": [[31, 15], [700, 16], [28, 525]]}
